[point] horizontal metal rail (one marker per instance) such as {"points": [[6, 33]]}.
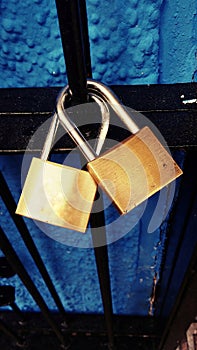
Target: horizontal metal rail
{"points": [[163, 105]]}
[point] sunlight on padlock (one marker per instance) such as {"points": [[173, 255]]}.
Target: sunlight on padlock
{"points": [[57, 194], [124, 187], [154, 161], [45, 198]]}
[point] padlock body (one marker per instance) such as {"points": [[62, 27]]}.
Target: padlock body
{"points": [[57, 194], [134, 170]]}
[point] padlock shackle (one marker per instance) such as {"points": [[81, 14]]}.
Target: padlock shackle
{"points": [[108, 95], [104, 123], [101, 93], [71, 128], [55, 123], [50, 137]]}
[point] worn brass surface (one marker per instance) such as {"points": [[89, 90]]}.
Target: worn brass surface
{"points": [[58, 195], [134, 170]]}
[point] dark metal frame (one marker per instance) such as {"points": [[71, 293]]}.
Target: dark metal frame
{"points": [[28, 108]]}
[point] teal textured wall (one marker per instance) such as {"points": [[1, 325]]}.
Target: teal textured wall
{"points": [[132, 42]]}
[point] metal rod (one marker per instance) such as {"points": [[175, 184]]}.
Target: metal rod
{"points": [[71, 35], [108, 95], [6, 330], [17, 266], [73, 20], [23, 230], [74, 132], [97, 219], [85, 37], [50, 137]]}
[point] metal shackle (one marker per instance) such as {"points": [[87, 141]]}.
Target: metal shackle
{"points": [[74, 132], [108, 95], [98, 91], [71, 128]]}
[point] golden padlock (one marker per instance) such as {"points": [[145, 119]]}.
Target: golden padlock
{"points": [[133, 170], [58, 194]]}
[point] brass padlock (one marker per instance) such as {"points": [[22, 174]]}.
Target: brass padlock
{"points": [[134, 170], [59, 194]]}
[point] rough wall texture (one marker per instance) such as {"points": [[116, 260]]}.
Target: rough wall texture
{"points": [[178, 41], [132, 42]]}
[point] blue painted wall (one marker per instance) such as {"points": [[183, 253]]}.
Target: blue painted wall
{"points": [[132, 42]]}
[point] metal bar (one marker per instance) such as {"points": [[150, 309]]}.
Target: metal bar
{"points": [[114, 103], [161, 104], [17, 266], [23, 230], [9, 332], [97, 219], [75, 40], [85, 37], [71, 35]]}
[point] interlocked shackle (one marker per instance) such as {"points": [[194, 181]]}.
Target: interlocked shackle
{"points": [[72, 129], [135, 169], [57, 194], [99, 91]]}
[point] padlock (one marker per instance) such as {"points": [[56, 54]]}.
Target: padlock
{"points": [[59, 194], [133, 170]]}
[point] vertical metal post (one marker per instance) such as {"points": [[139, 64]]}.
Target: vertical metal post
{"points": [[17, 266], [97, 219], [85, 38], [23, 230], [73, 24], [70, 28]]}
